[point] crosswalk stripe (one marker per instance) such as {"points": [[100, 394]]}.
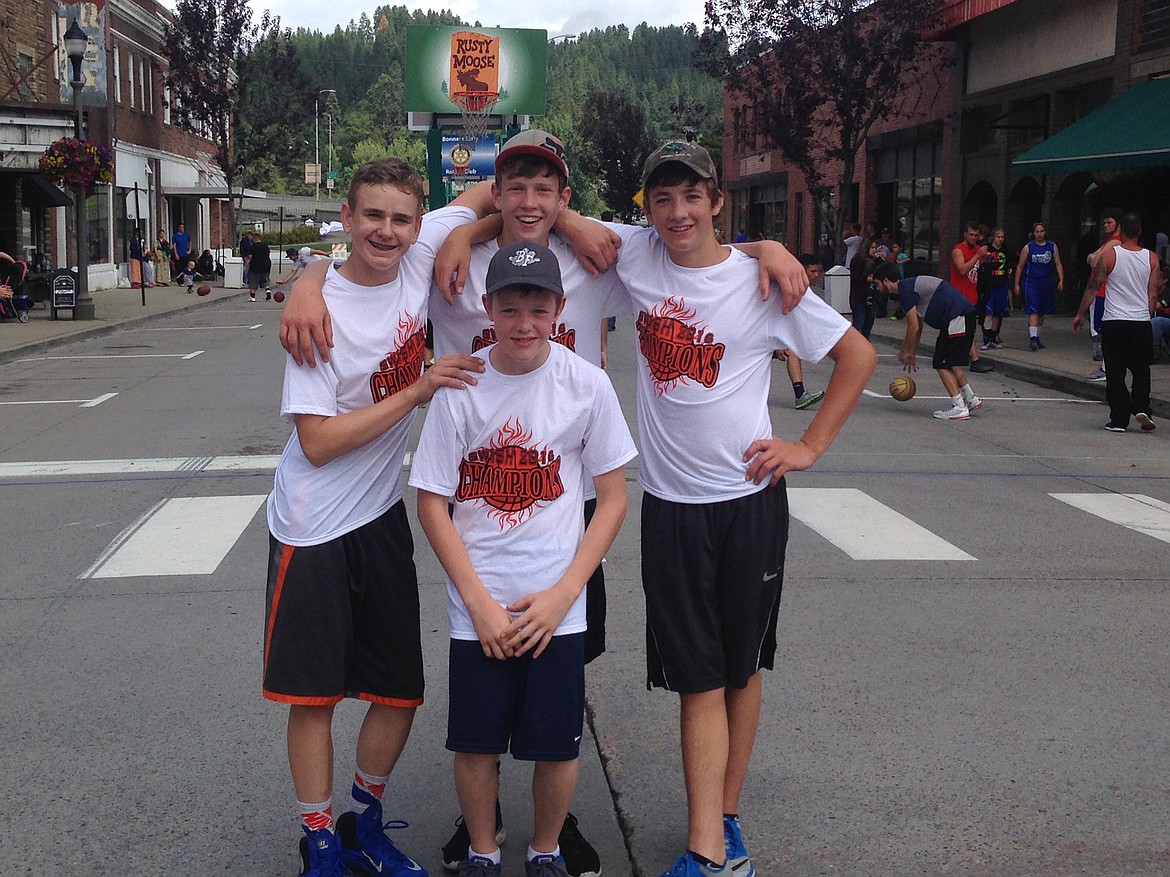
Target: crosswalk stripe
{"points": [[1135, 511], [866, 529], [188, 535]]}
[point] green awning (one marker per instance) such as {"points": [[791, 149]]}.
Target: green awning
{"points": [[1131, 131]]}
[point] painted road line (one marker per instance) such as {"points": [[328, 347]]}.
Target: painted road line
{"points": [[80, 403], [876, 395], [1134, 511], [148, 466], [115, 356], [188, 535], [866, 529], [199, 329]]}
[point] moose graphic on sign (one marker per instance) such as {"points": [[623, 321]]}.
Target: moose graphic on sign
{"points": [[475, 66]]}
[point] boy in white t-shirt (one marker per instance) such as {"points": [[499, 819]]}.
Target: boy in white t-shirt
{"points": [[712, 473], [342, 614], [514, 454]]}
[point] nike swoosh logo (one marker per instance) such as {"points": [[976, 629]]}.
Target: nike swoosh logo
{"points": [[377, 866], [576, 739], [768, 578]]}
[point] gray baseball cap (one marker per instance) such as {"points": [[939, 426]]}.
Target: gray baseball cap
{"points": [[538, 143], [524, 264], [692, 155]]}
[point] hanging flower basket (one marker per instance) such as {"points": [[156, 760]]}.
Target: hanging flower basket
{"points": [[79, 164]]}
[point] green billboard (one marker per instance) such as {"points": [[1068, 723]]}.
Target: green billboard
{"points": [[476, 66]]}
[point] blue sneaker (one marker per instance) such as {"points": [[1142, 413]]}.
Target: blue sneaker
{"points": [[321, 854], [364, 845], [546, 865], [738, 862], [686, 866], [478, 866]]}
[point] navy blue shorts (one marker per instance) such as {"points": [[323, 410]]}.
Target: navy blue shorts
{"points": [[534, 708]]}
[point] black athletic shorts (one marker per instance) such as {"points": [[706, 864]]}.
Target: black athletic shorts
{"points": [[535, 707], [953, 347], [343, 618], [712, 575], [594, 602]]}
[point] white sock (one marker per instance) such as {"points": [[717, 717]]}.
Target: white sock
{"points": [[958, 401], [1033, 331], [493, 856], [967, 394], [317, 816], [532, 854]]}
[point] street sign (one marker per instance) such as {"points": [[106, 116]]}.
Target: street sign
{"points": [[332, 176]]}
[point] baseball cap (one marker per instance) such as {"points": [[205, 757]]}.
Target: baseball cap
{"points": [[538, 143], [524, 264], [692, 155]]}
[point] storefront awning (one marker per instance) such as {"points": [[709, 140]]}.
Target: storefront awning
{"points": [[38, 190], [1131, 131]]}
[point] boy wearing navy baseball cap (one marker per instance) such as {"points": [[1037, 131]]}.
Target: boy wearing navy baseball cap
{"points": [[515, 459]]}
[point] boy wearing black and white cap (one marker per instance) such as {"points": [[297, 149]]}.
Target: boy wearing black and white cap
{"points": [[517, 551]]}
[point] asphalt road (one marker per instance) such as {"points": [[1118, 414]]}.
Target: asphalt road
{"points": [[971, 678]]}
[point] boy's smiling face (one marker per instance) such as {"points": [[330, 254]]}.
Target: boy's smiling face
{"points": [[529, 206], [684, 217], [384, 222], [523, 321]]}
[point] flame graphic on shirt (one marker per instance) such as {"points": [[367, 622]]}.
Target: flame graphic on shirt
{"points": [[511, 476], [402, 366], [675, 348]]}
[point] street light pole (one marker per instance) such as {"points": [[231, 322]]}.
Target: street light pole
{"points": [[317, 140], [76, 42]]}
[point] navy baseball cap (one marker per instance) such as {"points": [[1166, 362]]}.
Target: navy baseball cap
{"points": [[524, 264]]}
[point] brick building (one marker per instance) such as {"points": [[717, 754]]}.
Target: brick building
{"points": [[1027, 78], [163, 175]]}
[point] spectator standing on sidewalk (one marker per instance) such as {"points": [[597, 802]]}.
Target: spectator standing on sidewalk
{"points": [[1110, 237], [1039, 276], [995, 290], [1132, 278], [965, 259], [180, 248]]}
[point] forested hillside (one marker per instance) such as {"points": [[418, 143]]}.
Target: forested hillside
{"points": [[644, 81]]}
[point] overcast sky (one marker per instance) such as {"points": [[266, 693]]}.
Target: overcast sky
{"points": [[554, 16]]}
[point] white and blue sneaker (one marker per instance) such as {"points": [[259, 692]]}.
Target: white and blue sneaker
{"points": [[739, 863], [688, 866]]}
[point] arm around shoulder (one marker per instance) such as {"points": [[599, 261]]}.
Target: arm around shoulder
{"points": [[305, 325]]}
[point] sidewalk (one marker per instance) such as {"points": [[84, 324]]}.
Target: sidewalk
{"points": [[114, 309], [1062, 366]]}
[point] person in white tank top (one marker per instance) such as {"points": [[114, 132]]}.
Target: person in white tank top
{"points": [[1132, 278]]}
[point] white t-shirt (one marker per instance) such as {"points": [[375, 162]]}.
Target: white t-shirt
{"points": [[514, 451], [704, 357], [464, 327], [379, 333]]}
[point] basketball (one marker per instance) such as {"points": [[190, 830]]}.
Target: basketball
{"points": [[204, 290], [903, 388], [278, 296]]}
